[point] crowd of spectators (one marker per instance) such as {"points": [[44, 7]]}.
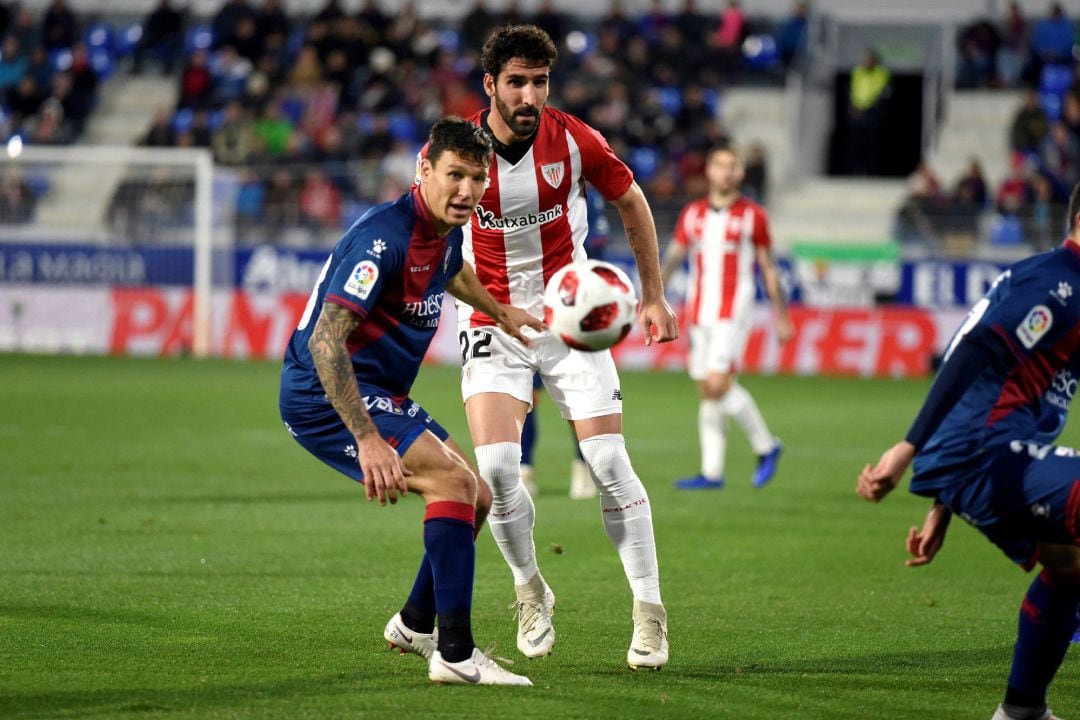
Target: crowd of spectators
{"points": [[348, 97], [1027, 204]]}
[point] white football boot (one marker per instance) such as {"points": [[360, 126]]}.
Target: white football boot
{"points": [[535, 634], [1000, 715], [479, 669], [400, 638], [582, 486], [649, 646]]}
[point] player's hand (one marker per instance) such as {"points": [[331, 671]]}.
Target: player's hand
{"points": [[784, 329], [658, 322], [924, 545], [878, 481], [384, 473], [511, 319]]}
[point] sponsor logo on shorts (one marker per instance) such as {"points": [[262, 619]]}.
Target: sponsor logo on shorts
{"points": [[350, 450], [362, 279], [617, 395], [380, 402], [1034, 326]]}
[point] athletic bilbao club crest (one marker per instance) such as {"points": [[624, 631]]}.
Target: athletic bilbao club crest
{"points": [[553, 173]]}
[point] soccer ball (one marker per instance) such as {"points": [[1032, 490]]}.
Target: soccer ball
{"points": [[590, 305]]}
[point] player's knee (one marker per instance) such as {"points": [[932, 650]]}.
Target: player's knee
{"points": [[1061, 564], [500, 466], [716, 386], [460, 485]]}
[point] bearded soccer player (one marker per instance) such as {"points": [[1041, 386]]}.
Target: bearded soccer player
{"points": [[982, 448], [725, 235], [346, 379], [532, 221]]}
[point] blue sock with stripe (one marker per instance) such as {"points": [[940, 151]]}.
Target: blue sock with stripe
{"points": [[451, 552]]}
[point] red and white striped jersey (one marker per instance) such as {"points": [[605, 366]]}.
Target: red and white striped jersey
{"points": [[721, 246], [533, 217]]}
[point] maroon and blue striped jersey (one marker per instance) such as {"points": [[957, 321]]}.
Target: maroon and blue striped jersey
{"points": [[391, 269], [1010, 372]]}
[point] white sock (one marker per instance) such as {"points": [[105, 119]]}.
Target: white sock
{"points": [[512, 512], [712, 433], [625, 510], [739, 405]]}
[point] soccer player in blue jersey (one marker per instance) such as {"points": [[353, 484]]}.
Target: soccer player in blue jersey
{"points": [[352, 361], [982, 447]]}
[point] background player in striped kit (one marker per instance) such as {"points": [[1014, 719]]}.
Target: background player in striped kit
{"points": [[532, 221], [724, 234]]}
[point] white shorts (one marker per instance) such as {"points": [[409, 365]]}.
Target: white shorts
{"points": [[582, 385], [718, 348]]}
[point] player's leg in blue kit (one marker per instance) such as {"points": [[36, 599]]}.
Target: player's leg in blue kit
{"points": [[1040, 523]]}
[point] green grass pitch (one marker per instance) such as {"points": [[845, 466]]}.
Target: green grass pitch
{"points": [[167, 551]]}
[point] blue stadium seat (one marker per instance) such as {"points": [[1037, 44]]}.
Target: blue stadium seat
{"points": [[38, 183], [760, 52], [126, 40], [183, 120], [711, 98], [1054, 82], [670, 99], [644, 161], [449, 40], [103, 63], [200, 37], [60, 59], [1006, 230], [403, 126], [99, 36]]}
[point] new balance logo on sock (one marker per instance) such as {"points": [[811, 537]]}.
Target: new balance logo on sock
{"points": [[617, 395]]}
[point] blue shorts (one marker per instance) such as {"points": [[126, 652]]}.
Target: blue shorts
{"points": [[322, 433], [1028, 494]]}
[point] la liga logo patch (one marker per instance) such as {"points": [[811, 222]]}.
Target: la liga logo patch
{"points": [[362, 279], [1034, 326]]}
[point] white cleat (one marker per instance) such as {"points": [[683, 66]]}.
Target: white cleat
{"points": [[582, 486], [478, 669], [535, 634], [1000, 714], [401, 638], [649, 646]]}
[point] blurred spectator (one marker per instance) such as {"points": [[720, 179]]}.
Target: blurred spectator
{"points": [[13, 63], [1013, 49], [274, 130], [270, 19], [24, 99], [728, 39], [232, 141], [279, 205], [971, 186], [319, 202], [921, 214], [977, 59], [691, 24], [162, 32], [477, 24], [1029, 126], [791, 35], [869, 87], [246, 40], [1041, 215], [1052, 41], [160, 132], [652, 23], [755, 173], [250, 196], [227, 19], [196, 82], [229, 72], [374, 22], [40, 68], [26, 30], [616, 22], [1060, 157], [84, 84], [1015, 191], [17, 201], [549, 19], [307, 71], [58, 26], [6, 17]]}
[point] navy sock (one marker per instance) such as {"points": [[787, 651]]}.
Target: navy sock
{"points": [[451, 551], [529, 433], [419, 610], [1048, 618]]}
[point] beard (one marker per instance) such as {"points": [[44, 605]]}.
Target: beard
{"points": [[523, 122]]}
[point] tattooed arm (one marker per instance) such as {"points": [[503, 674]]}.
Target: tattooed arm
{"points": [[657, 318], [384, 474]]}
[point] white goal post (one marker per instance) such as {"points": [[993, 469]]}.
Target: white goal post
{"points": [[75, 190]]}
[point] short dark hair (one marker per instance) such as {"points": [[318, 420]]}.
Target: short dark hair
{"points": [[459, 136], [722, 147], [1074, 207], [526, 42]]}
